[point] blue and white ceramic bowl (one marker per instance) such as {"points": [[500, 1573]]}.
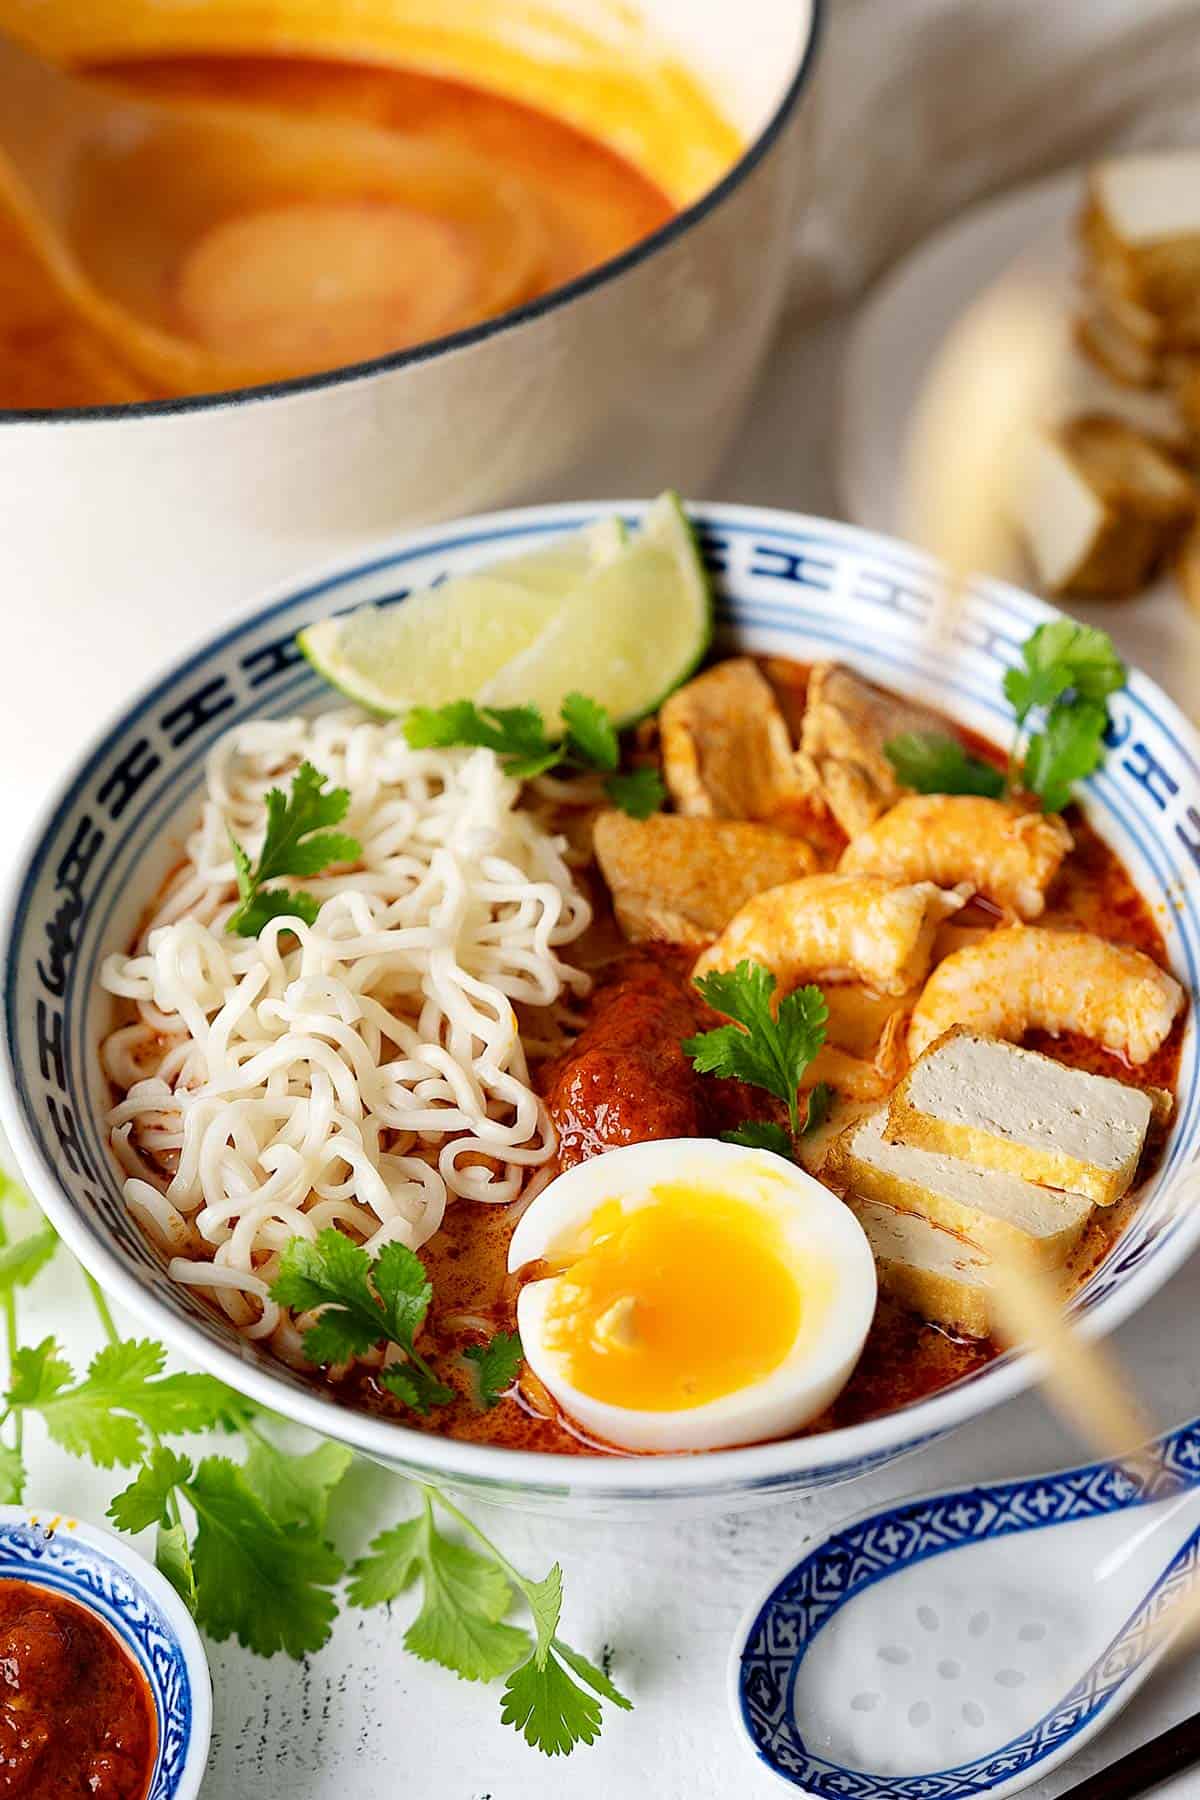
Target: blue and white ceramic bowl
{"points": [[110, 1579], [795, 586]]}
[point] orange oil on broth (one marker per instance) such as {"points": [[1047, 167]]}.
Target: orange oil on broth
{"points": [[255, 284]]}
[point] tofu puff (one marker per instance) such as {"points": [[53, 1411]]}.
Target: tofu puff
{"points": [[1010, 855]]}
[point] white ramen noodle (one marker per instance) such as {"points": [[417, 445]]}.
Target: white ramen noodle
{"points": [[362, 1071]]}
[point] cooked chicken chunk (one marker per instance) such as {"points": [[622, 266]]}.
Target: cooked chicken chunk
{"points": [[725, 747], [846, 724], [682, 880]]}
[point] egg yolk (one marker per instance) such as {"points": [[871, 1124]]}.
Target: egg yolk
{"points": [[675, 1303]]}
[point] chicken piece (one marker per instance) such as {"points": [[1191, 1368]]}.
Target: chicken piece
{"points": [[1010, 856], [1025, 977], [1001, 1107], [837, 927], [725, 747], [997, 1210], [682, 880], [847, 722]]}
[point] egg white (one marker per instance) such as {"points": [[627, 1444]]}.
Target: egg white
{"points": [[816, 1229]]}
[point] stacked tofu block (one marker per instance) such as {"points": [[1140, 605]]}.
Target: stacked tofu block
{"points": [[985, 1149]]}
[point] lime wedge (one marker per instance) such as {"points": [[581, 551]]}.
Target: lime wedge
{"points": [[631, 631], [445, 643]]}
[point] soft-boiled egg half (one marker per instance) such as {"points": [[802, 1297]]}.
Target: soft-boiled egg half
{"points": [[697, 1294]]}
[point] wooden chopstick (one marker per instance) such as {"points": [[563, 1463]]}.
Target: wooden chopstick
{"points": [[1144, 1768]]}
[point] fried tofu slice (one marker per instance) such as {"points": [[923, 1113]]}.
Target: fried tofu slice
{"points": [[847, 722], [1141, 225], [725, 747], [1000, 1213], [682, 879], [1002, 1107], [928, 1269], [1103, 506]]}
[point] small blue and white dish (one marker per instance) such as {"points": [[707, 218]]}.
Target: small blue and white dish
{"points": [[786, 585], [104, 1574]]}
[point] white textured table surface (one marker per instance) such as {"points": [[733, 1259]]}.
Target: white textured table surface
{"points": [[362, 1721]]}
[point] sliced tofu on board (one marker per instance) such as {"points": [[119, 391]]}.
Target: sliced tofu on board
{"points": [[999, 1212], [926, 1268], [1003, 1107], [1103, 505]]}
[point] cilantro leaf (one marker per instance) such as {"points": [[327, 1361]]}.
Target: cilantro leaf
{"points": [[337, 1275], [12, 1476], [595, 1678], [105, 1415], [760, 1134], [297, 842], [820, 1099], [935, 764], [405, 1290], [265, 1583], [638, 793], [391, 1565], [26, 1257], [1059, 656], [519, 738], [415, 1386], [295, 1490], [516, 733], [464, 1598], [551, 1711], [1070, 748], [173, 1558], [544, 1598], [496, 1365], [771, 1049], [145, 1501], [591, 737]]}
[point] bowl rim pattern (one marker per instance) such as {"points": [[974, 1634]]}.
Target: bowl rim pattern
{"points": [[803, 557]]}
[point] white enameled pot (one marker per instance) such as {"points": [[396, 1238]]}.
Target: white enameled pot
{"points": [[146, 524]]}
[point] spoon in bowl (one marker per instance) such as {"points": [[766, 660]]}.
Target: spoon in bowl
{"points": [[219, 246]]}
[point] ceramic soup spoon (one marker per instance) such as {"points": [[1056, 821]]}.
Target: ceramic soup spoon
{"points": [[221, 246], [966, 1643]]}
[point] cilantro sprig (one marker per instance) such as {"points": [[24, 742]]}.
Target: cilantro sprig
{"points": [[518, 735], [298, 842], [768, 1046], [552, 1693], [1061, 685], [495, 1365], [362, 1303]]}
